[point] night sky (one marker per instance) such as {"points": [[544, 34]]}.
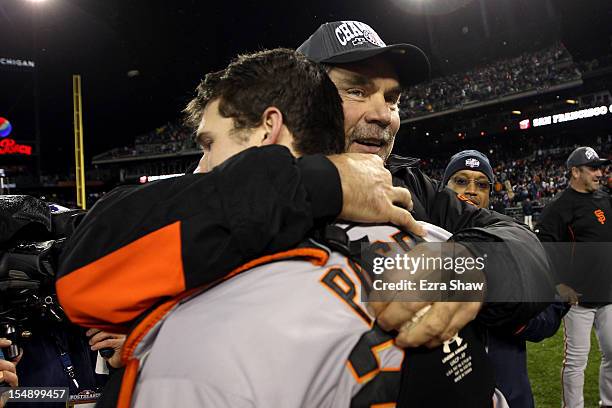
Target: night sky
{"points": [[172, 44]]}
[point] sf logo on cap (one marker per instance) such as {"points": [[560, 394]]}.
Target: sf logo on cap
{"points": [[471, 162], [356, 32]]}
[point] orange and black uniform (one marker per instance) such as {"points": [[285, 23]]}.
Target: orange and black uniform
{"points": [[583, 221], [580, 234]]}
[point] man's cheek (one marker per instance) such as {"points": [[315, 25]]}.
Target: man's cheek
{"points": [[199, 169], [351, 116], [203, 165], [458, 190]]}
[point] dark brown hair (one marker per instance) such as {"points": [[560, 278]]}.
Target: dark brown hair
{"points": [[285, 79]]}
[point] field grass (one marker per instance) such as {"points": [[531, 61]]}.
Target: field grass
{"points": [[544, 362]]}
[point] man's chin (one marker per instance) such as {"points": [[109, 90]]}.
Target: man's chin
{"points": [[360, 148]]}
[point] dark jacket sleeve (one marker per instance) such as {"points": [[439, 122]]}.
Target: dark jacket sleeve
{"points": [[140, 245], [517, 269], [545, 324]]}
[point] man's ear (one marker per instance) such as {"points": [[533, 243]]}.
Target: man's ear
{"points": [[575, 172], [272, 123]]}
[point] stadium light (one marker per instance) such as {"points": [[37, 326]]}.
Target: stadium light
{"points": [[516, 112], [571, 101]]}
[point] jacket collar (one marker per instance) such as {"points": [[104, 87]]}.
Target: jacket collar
{"points": [[396, 162]]}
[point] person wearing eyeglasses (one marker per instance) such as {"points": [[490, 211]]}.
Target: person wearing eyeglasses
{"points": [[470, 175]]}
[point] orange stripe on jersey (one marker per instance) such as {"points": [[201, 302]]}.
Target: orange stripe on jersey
{"points": [[385, 405], [317, 257], [127, 384], [112, 289]]}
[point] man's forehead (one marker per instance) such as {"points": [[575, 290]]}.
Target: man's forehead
{"points": [[210, 110], [211, 107], [369, 70], [471, 173]]}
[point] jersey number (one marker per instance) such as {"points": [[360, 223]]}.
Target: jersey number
{"points": [[382, 386]]}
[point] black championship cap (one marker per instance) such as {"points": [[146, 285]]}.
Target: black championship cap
{"points": [[342, 42], [585, 156]]}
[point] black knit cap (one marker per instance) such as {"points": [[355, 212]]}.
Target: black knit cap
{"points": [[342, 42], [468, 160]]}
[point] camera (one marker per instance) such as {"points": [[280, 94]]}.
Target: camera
{"points": [[27, 291], [32, 235]]}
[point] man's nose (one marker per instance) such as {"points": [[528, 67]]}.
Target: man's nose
{"points": [[379, 111], [471, 188]]}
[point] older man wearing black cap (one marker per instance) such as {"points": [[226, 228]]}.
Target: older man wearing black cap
{"points": [[370, 76], [580, 215]]}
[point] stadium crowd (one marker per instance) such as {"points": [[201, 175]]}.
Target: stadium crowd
{"points": [[529, 71], [167, 139]]}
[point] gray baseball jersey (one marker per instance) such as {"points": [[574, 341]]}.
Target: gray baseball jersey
{"points": [[285, 334]]}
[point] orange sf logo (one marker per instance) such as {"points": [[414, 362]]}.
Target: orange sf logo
{"points": [[601, 217]]}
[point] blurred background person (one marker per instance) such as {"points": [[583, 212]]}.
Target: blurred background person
{"points": [[580, 217]]}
